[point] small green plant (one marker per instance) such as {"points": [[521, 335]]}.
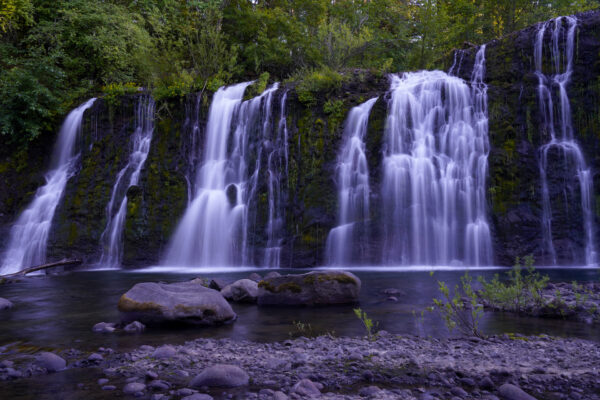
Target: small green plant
{"points": [[520, 290], [256, 88], [367, 322], [302, 329], [460, 309]]}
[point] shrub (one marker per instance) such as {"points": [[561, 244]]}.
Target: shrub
{"points": [[520, 290], [461, 309], [311, 82], [114, 91], [367, 322]]}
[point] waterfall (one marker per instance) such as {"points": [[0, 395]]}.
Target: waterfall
{"points": [[116, 210], [214, 228], [454, 70], [561, 29], [29, 235], [434, 170], [353, 189], [277, 164], [190, 147]]}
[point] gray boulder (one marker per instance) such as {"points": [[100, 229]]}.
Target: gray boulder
{"points": [[135, 327], [512, 392], [5, 304], [217, 284], [254, 277], [51, 361], [104, 327], [221, 375], [242, 291], [313, 288], [272, 274], [188, 302]]}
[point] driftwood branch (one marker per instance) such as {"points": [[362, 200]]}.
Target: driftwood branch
{"points": [[42, 267]]}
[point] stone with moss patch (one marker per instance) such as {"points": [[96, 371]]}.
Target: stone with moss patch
{"points": [[187, 302], [313, 288]]}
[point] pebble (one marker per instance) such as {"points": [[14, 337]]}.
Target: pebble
{"points": [[95, 357], [134, 387], [512, 392], [166, 351], [221, 375]]}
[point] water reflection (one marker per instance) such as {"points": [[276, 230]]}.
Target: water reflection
{"points": [[59, 312]]}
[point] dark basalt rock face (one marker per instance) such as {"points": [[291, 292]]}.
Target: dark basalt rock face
{"points": [[514, 185], [309, 194]]}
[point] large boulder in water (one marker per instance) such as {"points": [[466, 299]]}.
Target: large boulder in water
{"points": [[188, 302], [242, 291], [313, 288]]}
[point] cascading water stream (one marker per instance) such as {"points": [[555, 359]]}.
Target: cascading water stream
{"points": [[434, 170], [277, 164], [29, 235], [213, 231], [353, 190], [561, 29], [116, 210], [254, 120]]}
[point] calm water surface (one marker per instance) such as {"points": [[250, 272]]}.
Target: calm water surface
{"points": [[58, 312]]}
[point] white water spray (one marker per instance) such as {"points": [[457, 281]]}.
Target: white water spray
{"points": [[116, 210], [277, 164], [213, 231], [561, 29], [435, 167], [353, 190], [29, 235]]}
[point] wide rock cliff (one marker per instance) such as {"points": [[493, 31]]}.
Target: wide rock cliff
{"points": [[308, 189]]}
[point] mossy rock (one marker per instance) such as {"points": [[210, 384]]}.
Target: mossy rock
{"points": [[313, 288]]}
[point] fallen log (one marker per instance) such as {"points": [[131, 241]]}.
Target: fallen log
{"points": [[42, 267]]}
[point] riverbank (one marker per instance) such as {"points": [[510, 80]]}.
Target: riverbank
{"points": [[387, 367]]}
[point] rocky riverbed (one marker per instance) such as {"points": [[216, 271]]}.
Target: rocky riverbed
{"points": [[384, 367]]}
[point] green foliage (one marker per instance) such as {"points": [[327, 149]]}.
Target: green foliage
{"points": [[53, 53], [324, 80], [460, 309], [370, 327], [520, 290], [258, 86], [114, 91], [178, 86]]}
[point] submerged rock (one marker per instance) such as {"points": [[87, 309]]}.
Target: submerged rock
{"points": [[242, 291], [221, 375], [187, 302], [313, 288], [135, 327], [104, 327], [5, 304]]}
